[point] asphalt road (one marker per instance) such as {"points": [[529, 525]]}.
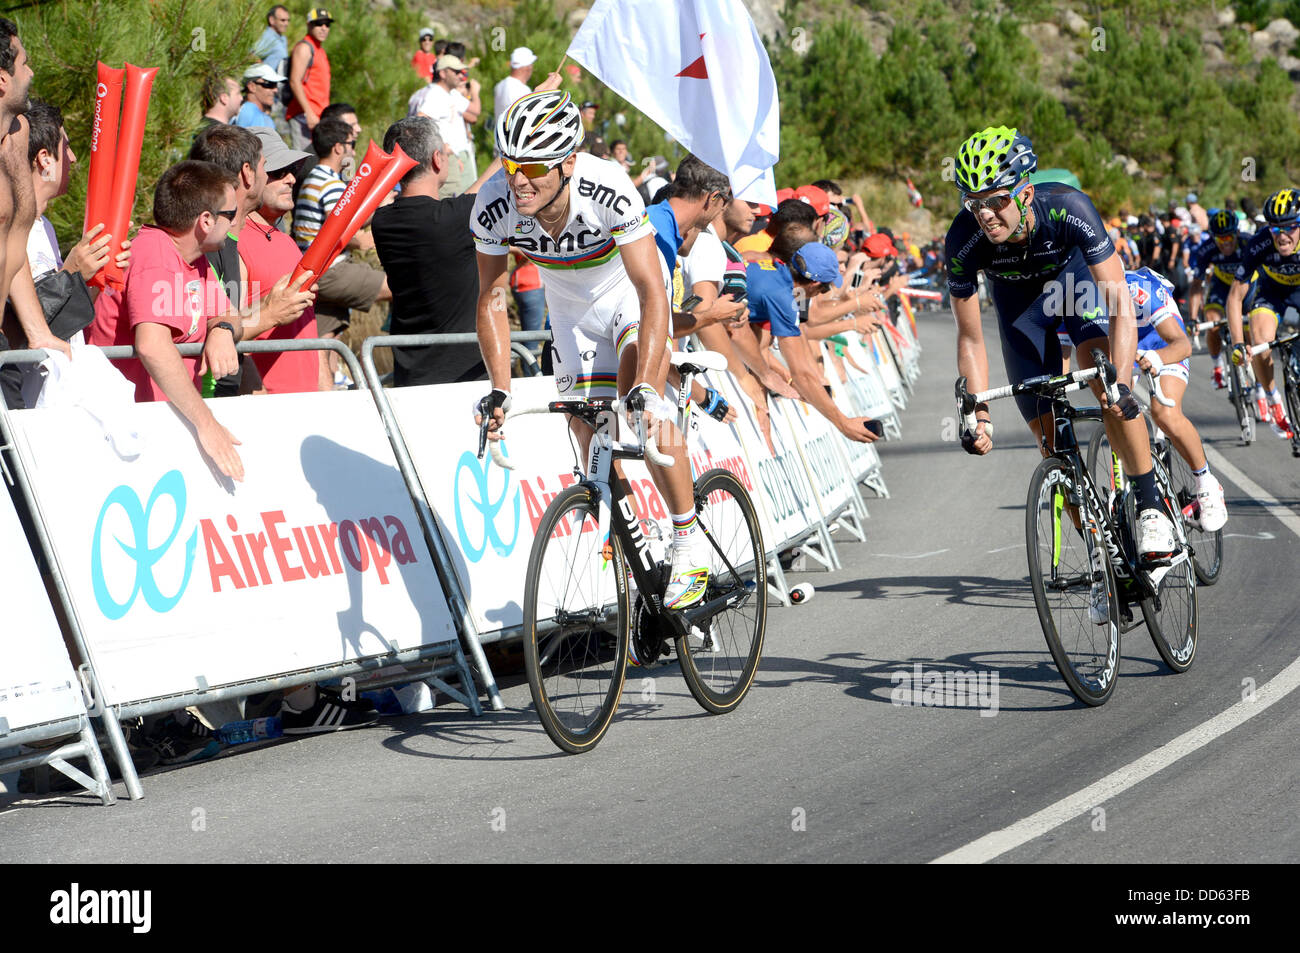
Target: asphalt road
{"points": [[818, 764]]}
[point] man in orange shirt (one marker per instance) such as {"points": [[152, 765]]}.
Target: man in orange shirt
{"points": [[309, 78]]}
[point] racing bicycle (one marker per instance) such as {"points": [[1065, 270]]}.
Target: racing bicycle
{"points": [[1079, 537], [1289, 360], [595, 583], [1241, 382], [1107, 472]]}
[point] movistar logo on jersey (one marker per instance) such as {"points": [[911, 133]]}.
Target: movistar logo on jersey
{"points": [[1056, 214]]}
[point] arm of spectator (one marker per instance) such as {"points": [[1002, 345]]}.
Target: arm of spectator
{"points": [[862, 209], [475, 107], [552, 81], [712, 309], [298, 61], [747, 348], [31, 317], [808, 381], [156, 350], [90, 254], [490, 171], [822, 310], [283, 304]]}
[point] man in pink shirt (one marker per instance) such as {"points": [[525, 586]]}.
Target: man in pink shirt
{"points": [[269, 254], [172, 297]]}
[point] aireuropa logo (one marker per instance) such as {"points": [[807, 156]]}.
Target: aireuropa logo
{"points": [[487, 510], [123, 501]]}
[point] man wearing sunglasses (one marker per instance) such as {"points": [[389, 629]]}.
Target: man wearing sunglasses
{"points": [[450, 109], [1214, 265], [1049, 261], [1273, 256], [581, 221], [260, 85]]}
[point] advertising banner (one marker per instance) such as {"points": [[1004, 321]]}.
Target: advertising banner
{"points": [[37, 683], [183, 580]]}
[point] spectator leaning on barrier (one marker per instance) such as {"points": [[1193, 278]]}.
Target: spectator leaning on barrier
{"points": [[773, 287], [271, 48], [270, 255], [424, 57], [309, 78], [443, 102], [427, 249], [345, 284], [260, 85], [515, 84], [63, 304]]}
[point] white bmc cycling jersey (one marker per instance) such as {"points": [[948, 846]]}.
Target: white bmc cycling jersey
{"points": [[593, 305]]}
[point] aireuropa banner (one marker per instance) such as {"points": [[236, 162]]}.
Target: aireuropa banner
{"points": [[37, 683], [184, 580]]}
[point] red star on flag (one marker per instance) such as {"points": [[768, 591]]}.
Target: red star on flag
{"points": [[696, 70]]}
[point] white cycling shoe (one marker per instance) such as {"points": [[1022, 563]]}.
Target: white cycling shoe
{"points": [[688, 574], [1214, 510], [1155, 543]]}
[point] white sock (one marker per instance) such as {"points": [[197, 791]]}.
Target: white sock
{"points": [[1205, 481], [1217, 360], [685, 526], [1275, 397]]}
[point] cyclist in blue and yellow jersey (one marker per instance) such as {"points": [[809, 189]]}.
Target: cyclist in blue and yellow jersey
{"points": [[1214, 267], [1048, 260], [581, 221], [1272, 256]]}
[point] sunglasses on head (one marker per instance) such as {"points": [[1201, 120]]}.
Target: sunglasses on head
{"points": [[531, 170], [994, 203]]}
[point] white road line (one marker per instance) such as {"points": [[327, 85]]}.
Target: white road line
{"points": [[914, 556], [1271, 503], [997, 843]]}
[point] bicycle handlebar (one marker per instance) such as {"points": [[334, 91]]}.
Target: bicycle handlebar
{"points": [[649, 443], [1065, 383]]}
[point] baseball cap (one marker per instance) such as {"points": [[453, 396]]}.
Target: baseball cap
{"points": [[879, 245], [426, 32], [318, 15], [522, 56], [784, 194], [278, 155], [263, 72], [815, 262], [1191, 198], [589, 105], [817, 198], [447, 61]]}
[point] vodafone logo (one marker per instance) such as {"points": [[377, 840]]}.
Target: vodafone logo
{"points": [[101, 90], [364, 170]]}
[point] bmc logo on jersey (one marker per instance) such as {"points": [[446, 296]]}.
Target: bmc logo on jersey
{"points": [[493, 213], [603, 195]]}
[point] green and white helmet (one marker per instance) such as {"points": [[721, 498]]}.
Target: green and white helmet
{"points": [[994, 158]]}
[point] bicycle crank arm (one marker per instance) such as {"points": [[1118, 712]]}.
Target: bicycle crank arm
{"points": [[694, 615]]}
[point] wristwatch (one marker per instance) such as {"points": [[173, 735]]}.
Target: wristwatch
{"points": [[223, 324]]}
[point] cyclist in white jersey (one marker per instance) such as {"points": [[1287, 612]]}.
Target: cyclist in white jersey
{"points": [[581, 221]]}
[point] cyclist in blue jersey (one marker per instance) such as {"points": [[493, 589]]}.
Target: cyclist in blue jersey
{"points": [[1214, 266], [1048, 260], [1163, 350], [1273, 256]]}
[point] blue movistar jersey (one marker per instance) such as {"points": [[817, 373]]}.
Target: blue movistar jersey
{"points": [[1067, 228]]}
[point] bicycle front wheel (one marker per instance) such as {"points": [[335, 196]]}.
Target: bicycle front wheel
{"points": [[1073, 582], [1243, 395], [1207, 548], [719, 656], [1172, 614], [575, 627], [1291, 389]]}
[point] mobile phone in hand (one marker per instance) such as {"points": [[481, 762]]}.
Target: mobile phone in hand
{"points": [[876, 427]]}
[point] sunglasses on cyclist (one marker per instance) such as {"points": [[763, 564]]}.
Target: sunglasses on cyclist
{"points": [[994, 203], [1283, 229], [532, 170]]}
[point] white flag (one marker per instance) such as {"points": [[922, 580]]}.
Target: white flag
{"points": [[699, 70]]}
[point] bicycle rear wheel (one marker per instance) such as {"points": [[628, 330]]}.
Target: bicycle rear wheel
{"points": [[1173, 624], [575, 622], [1291, 389], [1065, 562], [719, 656], [1207, 548]]}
